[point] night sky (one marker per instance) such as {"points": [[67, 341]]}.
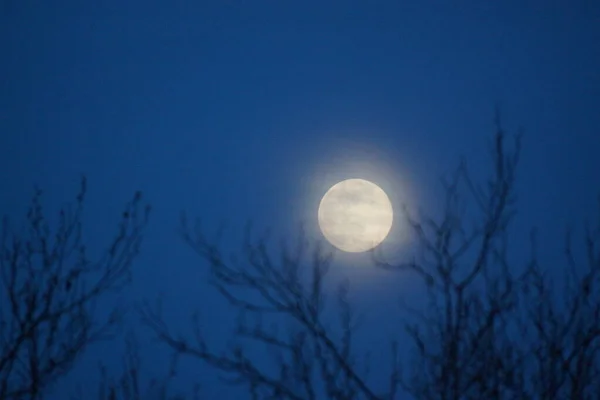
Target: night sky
{"points": [[250, 110]]}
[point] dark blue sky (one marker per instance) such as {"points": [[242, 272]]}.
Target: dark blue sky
{"points": [[252, 109]]}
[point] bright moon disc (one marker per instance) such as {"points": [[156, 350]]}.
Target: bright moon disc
{"points": [[355, 215]]}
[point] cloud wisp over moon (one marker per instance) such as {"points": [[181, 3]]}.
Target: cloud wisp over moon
{"points": [[355, 215]]}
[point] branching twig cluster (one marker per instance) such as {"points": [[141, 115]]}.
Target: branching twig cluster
{"points": [[310, 359], [493, 329], [470, 285], [48, 289], [490, 329], [132, 384]]}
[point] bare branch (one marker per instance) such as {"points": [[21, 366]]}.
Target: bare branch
{"points": [[49, 289]]}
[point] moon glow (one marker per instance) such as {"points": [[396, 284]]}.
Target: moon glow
{"points": [[355, 215]]}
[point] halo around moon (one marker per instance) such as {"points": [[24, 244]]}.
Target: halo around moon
{"points": [[355, 215]]}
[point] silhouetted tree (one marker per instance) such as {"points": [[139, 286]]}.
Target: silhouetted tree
{"points": [[490, 329], [462, 258], [494, 329], [49, 288], [558, 342], [132, 384], [309, 358]]}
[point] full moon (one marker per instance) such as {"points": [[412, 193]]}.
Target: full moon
{"points": [[355, 215]]}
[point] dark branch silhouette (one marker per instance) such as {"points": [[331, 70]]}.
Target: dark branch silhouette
{"points": [[489, 329], [133, 384], [49, 286], [308, 358]]}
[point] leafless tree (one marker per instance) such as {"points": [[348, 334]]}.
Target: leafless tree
{"points": [[493, 329], [49, 289], [309, 360], [489, 328], [471, 291], [559, 324], [133, 383]]}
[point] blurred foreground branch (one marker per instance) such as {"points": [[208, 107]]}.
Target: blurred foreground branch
{"points": [[48, 288]]}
